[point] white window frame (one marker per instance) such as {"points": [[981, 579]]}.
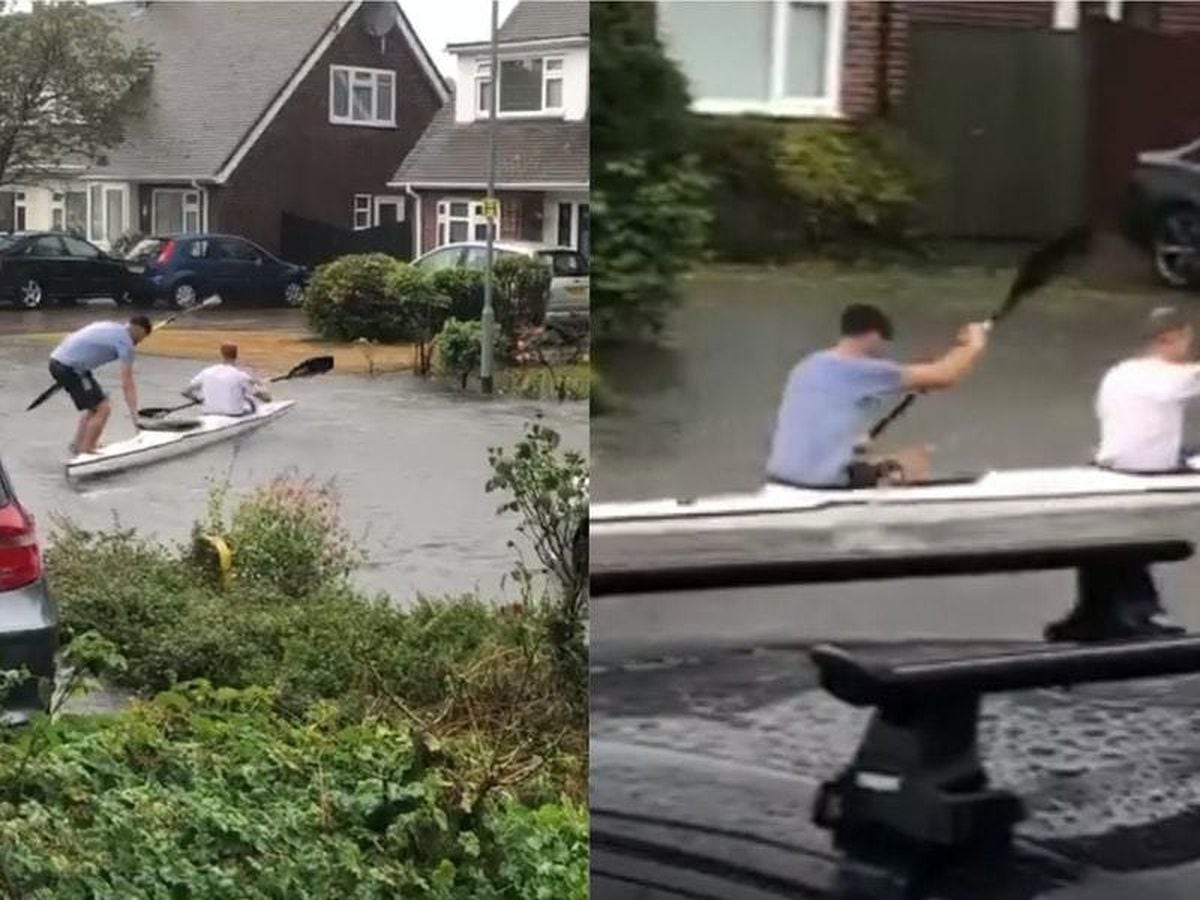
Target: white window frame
{"points": [[380, 200], [58, 207], [828, 105], [474, 218], [575, 205], [193, 205], [351, 73], [483, 75], [362, 206], [101, 239], [20, 211]]}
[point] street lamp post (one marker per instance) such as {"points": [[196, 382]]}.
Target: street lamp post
{"points": [[489, 312]]}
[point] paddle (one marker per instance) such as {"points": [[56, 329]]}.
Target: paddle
{"points": [[1037, 270], [316, 365], [207, 303]]}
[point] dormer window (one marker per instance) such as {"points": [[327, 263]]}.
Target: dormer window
{"points": [[528, 87], [362, 96]]}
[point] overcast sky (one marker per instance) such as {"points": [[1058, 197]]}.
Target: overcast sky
{"points": [[442, 22]]}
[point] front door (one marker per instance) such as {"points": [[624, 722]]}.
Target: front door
{"points": [[389, 210]]}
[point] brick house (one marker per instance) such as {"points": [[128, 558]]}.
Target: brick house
{"points": [[252, 110], [541, 136], [831, 58]]}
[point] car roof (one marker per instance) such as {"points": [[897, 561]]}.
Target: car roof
{"points": [[514, 246]]}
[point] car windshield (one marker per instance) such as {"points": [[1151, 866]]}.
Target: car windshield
{"points": [[566, 263], [144, 251]]}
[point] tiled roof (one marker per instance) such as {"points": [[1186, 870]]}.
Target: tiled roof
{"points": [[533, 20], [537, 151], [219, 66]]}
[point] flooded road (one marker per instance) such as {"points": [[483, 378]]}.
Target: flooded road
{"points": [[698, 414], [409, 459]]}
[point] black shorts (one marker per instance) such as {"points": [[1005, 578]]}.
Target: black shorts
{"points": [[82, 387]]}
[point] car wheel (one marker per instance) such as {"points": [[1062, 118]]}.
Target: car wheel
{"points": [[293, 294], [125, 298], [1176, 245], [184, 295], [30, 294]]}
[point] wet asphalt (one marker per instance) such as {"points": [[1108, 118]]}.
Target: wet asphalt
{"points": [[408, 457]]}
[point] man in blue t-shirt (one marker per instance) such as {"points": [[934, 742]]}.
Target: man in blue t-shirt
{"points": [[79, 355], [833, 396]]}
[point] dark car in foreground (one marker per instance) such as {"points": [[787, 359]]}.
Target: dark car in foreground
{"points": [[40, 267], [1162, 212], [184, 269], [28, 616]]}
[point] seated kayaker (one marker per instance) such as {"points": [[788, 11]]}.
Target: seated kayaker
{"points": [[225, 389], [833, 396], [1142, 400]]}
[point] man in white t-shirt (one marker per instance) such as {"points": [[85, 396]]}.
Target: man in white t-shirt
{"points": [[1142, 401], [225, 389]]}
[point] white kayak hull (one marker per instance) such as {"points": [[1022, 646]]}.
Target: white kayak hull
{"points": [[1000, 493], [152, 446]]}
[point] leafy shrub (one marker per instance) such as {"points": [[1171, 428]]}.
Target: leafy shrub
{"points": [[548, 488], [459, 347], [288, 535], [372, 296], [519, 295], [463, 290], [523, 284], [787, 189], [649, 197], [209, 792]]}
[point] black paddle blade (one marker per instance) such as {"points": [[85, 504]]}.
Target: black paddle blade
{"points": [[317, 365], [42, 397], [154, 412], [1043, 264]]}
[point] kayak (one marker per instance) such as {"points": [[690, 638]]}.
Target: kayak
{"points": [[170, 438], [1015, 491]]}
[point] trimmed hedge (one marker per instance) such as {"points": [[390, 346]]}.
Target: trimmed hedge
{"points": [[376, 297]]}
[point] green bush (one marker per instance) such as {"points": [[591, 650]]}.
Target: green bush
{"points": [[209, 792], [783, 190], [649, 197], [459, 346], [372, 296], [288, 535], [519, 295], [463, 290]]}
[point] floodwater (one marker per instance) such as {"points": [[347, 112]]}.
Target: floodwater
{"points": [[698, 413], [408, 458]]}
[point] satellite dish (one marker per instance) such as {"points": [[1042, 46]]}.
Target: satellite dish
{"points": [[380, 18]]}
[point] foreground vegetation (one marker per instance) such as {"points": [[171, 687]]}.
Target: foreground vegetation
{"points": [[298, 739]]}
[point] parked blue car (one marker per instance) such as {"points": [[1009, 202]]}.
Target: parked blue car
{"points": [[185, 269]]}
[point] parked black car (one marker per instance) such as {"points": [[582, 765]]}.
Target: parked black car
{"points": [[1162, 212], [187, 268], [40, 266], [28, 616]]}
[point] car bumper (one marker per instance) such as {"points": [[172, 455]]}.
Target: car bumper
{"points": [[28, 640]]}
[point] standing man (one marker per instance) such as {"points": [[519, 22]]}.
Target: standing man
{"points": [[74, 361], [225, 389], [833, 395]]}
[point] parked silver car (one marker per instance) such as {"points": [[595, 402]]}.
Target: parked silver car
{"points": [[28, 616], [569, 282]]}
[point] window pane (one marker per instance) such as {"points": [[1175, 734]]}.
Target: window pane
{"points": [[362, 202], [341, 94], [806, 32], [723, 47], [585, 230], [483, 94], [362, 103], [458, 231], [168, 212], [191, 221], [554, 65], [80, 248], [96, 231], [459, 208], [383, 99], [521, 85], [114, 213], [56, 218], [76, 207], [554, 93], [564, 224], [481, 231]]}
